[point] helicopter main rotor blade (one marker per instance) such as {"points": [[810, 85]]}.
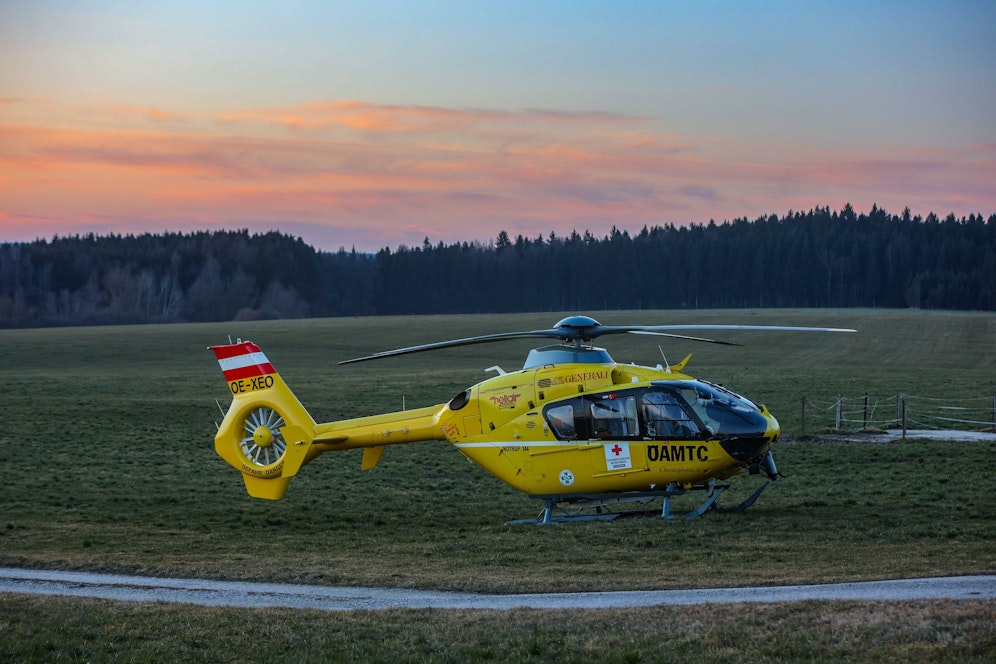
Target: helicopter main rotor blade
{"points": [[487, 338], [763, 328], [684, 336], [580, 329], [586, 329], [648, 329]]}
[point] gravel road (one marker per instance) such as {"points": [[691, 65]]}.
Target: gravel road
{"points": [[234, 593]]}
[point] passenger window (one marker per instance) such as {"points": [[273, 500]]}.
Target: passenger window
{"points": [[561, 419]]}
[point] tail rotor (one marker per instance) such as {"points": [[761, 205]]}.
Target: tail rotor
{"points": [[263, 443]]}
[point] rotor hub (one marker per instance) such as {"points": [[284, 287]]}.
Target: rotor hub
{"points": [[263, 437], [577, 329]]}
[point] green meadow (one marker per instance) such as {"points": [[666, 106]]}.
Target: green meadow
{"points": [[107, 442]]}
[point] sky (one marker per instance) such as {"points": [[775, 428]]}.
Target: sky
{"points": [[378, 124]]}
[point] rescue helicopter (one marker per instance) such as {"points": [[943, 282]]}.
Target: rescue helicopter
{"points": [[572, 427]]}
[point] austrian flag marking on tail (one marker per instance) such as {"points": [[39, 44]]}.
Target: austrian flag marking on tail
{"points": [[245, 366]]}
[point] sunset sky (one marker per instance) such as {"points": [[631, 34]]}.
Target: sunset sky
{"points": [[374, 124]]}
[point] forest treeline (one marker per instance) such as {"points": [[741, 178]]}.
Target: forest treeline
{"points": [[820, 258]]}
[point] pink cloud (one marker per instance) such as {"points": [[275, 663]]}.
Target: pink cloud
{"points": [[396, 171]]}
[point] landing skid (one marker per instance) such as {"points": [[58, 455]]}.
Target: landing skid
{"points": [[592, 507]]}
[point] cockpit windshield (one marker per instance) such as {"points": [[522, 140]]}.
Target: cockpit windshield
{"points": [[722, 411]]}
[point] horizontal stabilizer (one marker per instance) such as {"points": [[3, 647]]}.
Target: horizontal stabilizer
{"points": [[371, 455], [269, 489]]}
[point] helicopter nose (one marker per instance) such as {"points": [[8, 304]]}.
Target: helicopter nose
{"points": [[748, 448], [745, 448], [754, 453], [774, 429]]}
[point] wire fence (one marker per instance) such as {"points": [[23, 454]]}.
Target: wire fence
{"points": [[900, 411]]}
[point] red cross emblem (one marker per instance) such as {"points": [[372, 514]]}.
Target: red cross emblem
{"points": [[616, 450]]}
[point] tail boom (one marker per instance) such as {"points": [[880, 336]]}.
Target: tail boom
{"points": [[267, 434]]}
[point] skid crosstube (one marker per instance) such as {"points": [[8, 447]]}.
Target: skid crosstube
{"points": [[554, 512]]}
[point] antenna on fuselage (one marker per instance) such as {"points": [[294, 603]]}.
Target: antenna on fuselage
{"points": [[666, 363]]}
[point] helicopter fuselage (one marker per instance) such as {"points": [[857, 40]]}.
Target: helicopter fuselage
{"points": [[571, 426], [593, 428], [583, 428]]}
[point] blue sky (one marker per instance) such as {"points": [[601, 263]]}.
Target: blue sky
{"points": [[379, 123]]}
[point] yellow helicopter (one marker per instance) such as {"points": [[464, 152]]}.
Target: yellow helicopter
{"points": [[572, 427]]}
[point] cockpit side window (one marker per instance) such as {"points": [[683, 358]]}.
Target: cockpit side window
{"points": [[614, 417], [664, 417]]}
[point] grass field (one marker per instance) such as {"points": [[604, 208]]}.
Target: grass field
{"points": [[110, 465], [80, 630]]}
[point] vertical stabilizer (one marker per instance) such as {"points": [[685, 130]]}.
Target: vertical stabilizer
{"points": [[267, 433]]}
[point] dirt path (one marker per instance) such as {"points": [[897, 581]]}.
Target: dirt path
{"points": [[232, 593]]}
